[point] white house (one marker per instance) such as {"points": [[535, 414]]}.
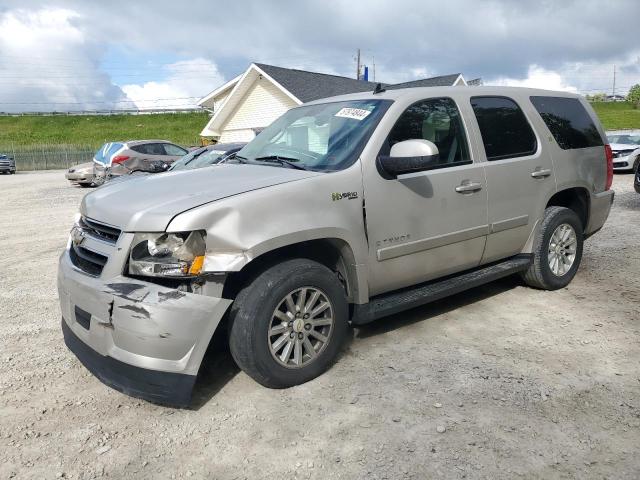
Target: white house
{"points": [[251, 101]]}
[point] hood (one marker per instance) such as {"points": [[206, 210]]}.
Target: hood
{"points": [[616, 147], [148, 203]]}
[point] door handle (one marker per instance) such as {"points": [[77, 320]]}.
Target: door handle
{"points": [[468, 187], [541, 173]]}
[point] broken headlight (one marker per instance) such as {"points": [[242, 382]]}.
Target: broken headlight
{"points": [[167, 254]]}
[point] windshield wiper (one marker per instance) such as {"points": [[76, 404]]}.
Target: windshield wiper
{"points": [[240, 158], [282, 161]]}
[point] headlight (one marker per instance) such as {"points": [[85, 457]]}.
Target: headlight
{"points": [[167, 254]]}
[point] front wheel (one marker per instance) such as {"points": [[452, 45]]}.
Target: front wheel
{"points": [[287, 325], [557, 250]]}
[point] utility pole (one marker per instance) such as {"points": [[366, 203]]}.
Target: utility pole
{"points": [[613, 93], [373, 61], [358, 65]]}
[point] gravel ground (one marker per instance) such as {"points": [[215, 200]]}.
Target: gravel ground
{"points": [[500, 382]]}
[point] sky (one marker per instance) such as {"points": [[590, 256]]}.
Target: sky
{"points": [[66, 55]]}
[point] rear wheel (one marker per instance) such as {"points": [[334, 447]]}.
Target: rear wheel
{"points": [[557, 250], [288, 323]]}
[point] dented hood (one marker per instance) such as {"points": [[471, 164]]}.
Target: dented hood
{"points": [[148, 203]]}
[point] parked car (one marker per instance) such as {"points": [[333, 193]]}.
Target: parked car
{"points": [[343, 211], [205, 156], [626, 149], [81, 175], [121, 158], [7, 164], [198, 158]]}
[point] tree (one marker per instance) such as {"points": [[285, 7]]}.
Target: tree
{"points": [[634, 95], [597, 97]]}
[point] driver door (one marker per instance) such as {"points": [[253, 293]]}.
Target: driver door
{"points": [[431, 223]]}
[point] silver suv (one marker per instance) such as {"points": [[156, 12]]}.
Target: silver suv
{"points": [[121, 158], [342, 211]]}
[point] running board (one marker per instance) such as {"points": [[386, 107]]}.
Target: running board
{"points": [[394, 302]]}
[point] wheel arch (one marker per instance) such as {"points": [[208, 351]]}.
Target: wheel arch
{"points": [[334, 253], [576, 199]]}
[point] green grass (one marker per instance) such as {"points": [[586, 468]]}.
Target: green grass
{"points": [[94, 130], [181, 128], [617, 115]]}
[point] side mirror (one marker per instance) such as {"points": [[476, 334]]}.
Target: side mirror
{"points": [[409, 156]]}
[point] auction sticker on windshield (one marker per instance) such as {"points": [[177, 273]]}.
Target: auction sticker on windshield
{"points": [[354, 113]]}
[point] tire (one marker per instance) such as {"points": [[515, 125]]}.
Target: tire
{"points": [[85, 185], [540, 273], [252, 315]]}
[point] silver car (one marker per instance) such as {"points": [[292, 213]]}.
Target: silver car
{"points": [[120, 158], [625, 145], [81, 175], [7, 164], [343, 211]]}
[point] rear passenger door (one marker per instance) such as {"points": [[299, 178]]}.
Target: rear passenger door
{"points": [[520, 177]]}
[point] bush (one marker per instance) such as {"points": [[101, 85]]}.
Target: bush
{"points": [[634, 95]]}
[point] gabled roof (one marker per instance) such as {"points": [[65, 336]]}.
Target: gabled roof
{"points": [[300, 86], [441, 81], [308, 86]]}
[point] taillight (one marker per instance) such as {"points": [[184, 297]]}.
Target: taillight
{"points": [[119, 159], [609, 153]]}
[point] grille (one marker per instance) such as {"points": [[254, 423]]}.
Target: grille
{"points": [[100, 230], [622, 153], [86, 260]]}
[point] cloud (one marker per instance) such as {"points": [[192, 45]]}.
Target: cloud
{"points": [[185, 82], [570, 44], [537, 77], [32, 75]]}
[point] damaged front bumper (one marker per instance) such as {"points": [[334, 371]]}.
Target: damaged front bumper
{"points": [[138, 337]]}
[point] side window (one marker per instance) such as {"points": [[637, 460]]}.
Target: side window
{"points": [[154, 149], [140, 149], [568, 122], [171, 149], [437, 120], [505, 131]]}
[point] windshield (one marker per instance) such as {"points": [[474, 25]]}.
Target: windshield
{"points": [[198, 159], [626, 138], [322, 137]]}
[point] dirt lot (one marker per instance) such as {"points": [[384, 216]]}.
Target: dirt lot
{"points": [[500, 382]]}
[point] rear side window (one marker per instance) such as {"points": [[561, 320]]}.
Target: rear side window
{"points": [[139, 148], [505, 131], [154, 149], [568, 121]]}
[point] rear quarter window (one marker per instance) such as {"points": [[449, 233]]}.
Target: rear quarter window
{"points": [[568, 121]]}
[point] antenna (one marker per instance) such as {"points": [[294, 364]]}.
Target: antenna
{"points": [[379, 89]]}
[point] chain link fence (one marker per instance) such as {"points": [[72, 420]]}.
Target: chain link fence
{"points": [[48, 156]]}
